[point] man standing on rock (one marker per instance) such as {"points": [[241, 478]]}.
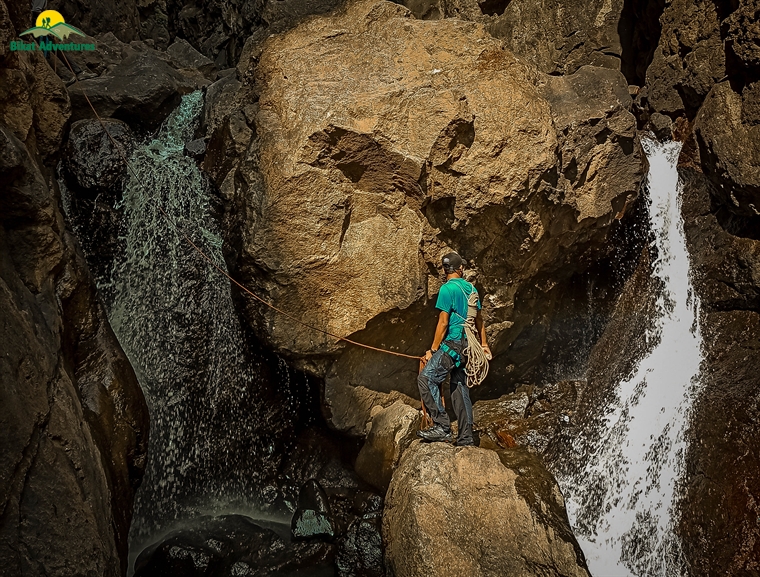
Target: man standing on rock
{"points": [[446, 356]]}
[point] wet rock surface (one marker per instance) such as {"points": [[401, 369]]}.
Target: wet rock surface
{"points": [[75, 423], [614, 357], [231, 545], [530, 417], [313, 518], [719, 513], [94, 172], [360, 554], [452, 510]]}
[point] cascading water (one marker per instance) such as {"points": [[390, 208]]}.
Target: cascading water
{"points": [[215, 424], [622, 502]]}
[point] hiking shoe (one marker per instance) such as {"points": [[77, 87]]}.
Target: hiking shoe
{"points": [[435, 433], [464, 444]]}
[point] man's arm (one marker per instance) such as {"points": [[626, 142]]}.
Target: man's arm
{"points": [[480, 327], [440, 332]]}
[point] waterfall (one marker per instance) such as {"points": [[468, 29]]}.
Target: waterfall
{"points": [[215, 424], [623, 500]]}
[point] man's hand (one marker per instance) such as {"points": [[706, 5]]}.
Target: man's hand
{"points": [[428, 355], [487, 351]]}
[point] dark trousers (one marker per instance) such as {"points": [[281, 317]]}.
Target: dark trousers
{"points": [[429, 383]]}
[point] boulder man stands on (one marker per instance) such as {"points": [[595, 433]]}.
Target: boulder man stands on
{"points": [[447, 355]]}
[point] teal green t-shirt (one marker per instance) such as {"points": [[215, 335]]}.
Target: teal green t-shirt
{"points": [[453, 299]]}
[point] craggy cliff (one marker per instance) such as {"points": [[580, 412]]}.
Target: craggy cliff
{"points": [[348, 145], [74, 421]]}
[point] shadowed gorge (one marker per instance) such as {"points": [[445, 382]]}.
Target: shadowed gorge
{"points": [[596, 165]]}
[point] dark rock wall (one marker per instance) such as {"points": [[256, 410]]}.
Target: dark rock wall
{"points": [[73, 421], [720, 511], [706, 69]]}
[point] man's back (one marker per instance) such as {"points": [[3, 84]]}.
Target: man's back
{"points": [[452, 299]]}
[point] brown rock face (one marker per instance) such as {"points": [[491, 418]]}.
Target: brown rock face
{"points": [[728, 132], [719, 517], [530, 417], [469, 511], [73, 421], [393, 430], [689, 58], [381, 142], [559, 37]]}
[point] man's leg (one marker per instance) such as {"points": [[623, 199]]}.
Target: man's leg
{"points": [[460, 399], [429, 385]]}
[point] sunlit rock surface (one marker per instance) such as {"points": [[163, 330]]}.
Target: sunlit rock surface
{"points": [[392, 431], [559, 37], [470, 511], [381, 141]]}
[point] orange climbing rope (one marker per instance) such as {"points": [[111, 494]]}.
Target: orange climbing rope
{"points": [[210, 260]]}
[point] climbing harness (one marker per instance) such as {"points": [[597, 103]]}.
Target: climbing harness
{"points": [[453, 354], [210, 260], [477, 360]]}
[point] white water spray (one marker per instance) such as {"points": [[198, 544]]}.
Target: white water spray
{"points": [[623, 502], [216, 424]]}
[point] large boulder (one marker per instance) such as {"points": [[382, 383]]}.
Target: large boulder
{"points": [[94, 174], [471, 511], [392, 430], [141, 90], [352, 189]]}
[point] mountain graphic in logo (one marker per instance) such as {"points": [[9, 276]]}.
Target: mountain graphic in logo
{"points": [[51, 23]]}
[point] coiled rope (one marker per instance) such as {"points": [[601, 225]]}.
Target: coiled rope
{"points": [[477, 360], [211, 261]]}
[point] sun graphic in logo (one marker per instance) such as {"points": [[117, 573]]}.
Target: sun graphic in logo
{"points": [[51, 23]]}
